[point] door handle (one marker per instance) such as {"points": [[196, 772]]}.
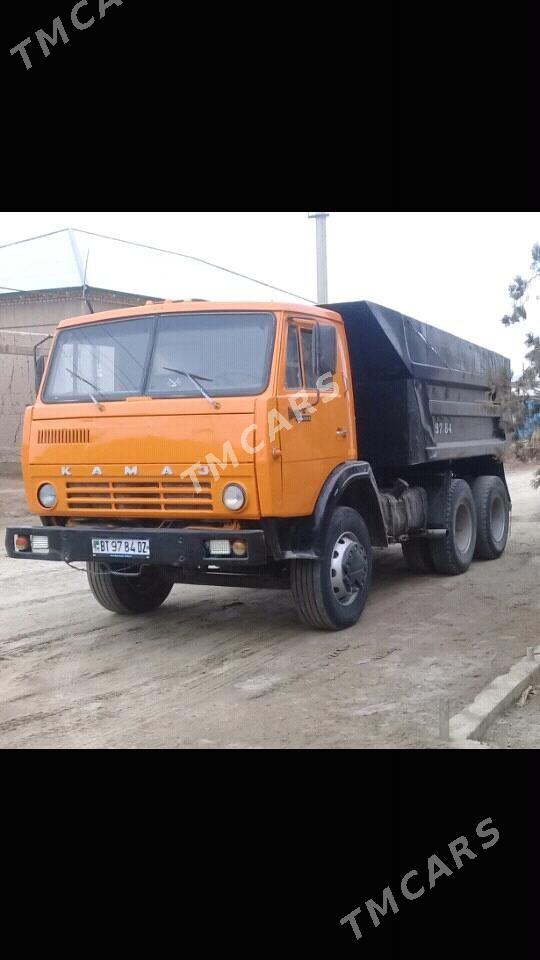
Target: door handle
{"points": [[341, 432]]}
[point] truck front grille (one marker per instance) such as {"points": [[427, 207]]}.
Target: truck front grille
{"points": [[63, 436], [127, 496]]}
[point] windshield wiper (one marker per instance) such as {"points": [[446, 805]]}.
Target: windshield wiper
{"points": [[90, 384], [194, 377]]}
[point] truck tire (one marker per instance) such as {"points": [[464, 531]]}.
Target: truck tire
{"points": [[330, 593], [493, 513], [453, 554], [129, 594], [417, 556]]}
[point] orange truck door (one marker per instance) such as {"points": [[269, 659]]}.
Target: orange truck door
{"points": [[318, 438]]}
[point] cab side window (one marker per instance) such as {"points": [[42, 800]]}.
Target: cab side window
{"points": [[293, 376], [301, 365], [328, 344], [308, 357]]}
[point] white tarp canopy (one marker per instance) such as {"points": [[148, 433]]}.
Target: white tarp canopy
{"points": [[69, 257]]}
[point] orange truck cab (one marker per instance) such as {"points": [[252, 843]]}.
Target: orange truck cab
{"points": [[262, 445]]}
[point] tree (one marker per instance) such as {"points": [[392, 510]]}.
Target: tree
{"points": [[520, 290], [529, 382]]}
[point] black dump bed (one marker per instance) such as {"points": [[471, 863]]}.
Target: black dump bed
{"points": [[421, 395]]}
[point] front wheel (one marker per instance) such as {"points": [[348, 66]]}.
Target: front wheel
{"points": [[127, 593], [330, 593]]}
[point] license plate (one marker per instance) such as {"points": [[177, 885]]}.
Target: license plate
{"points": [[120, 548]]}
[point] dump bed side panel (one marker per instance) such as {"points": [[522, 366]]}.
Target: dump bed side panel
{"points": [[421, 395]]}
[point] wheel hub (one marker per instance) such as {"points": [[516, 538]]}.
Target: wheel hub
{"points": [[497, 519], [463, 527], [348, 568]]}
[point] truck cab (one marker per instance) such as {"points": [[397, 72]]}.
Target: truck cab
{"points": [[138, 409]]}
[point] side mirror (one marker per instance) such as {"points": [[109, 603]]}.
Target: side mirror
{"points": [[39, 362], [327, 349], [39, 369]]}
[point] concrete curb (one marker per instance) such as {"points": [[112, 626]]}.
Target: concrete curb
{"points": [[473, 722]]}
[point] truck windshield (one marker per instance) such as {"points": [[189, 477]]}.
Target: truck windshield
{"points": [[162, 356]]}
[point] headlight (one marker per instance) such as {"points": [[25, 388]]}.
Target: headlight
{"points": [[234, 496], [47, 496]]}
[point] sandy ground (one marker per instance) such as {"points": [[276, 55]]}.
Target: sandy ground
{"points": [[234, 668]]}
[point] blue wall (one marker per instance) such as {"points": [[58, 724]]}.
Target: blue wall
{"points": [[532, 419]]}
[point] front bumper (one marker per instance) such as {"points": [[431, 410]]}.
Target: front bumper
{"points": [[178, 547]]}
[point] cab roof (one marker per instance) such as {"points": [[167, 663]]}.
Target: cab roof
{"points": [[202, 306]]}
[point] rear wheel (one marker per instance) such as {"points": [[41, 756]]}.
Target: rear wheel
{"points": [[453, 554], [417, 556], [330, 593], [128, 594], [493, 512]]}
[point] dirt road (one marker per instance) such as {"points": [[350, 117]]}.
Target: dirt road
{"points": [[234, 668]]}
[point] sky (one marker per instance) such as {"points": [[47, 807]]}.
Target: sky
{"points": [[449, 269]]}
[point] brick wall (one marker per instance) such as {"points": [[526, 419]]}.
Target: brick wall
{"points": [[16, 388]]}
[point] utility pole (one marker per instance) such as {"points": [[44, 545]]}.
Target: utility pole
{"points": [[322, 268]]}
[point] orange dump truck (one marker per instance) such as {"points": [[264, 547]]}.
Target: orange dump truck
{"points": [[261, 445]]}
